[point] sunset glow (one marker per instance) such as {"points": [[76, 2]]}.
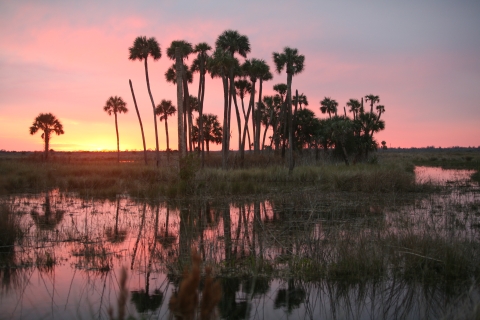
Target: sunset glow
{"points": [[68, 58]]}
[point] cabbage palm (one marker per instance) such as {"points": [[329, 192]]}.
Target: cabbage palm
{"points": [[355, 107], [185, 49], [164, 110], [329, 106], [232, 42], [264, 75], [49, 124], [373, 99], [116, 105], [380, 110], [212, 131], [143, 48], [200, 64], [294, 64], [302, 100]]}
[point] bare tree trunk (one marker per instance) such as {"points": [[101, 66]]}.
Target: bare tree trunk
{"points": [[140, 121], [181, 133], [157, 154]]}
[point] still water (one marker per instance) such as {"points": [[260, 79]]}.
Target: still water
{"points": [[268, 254]]}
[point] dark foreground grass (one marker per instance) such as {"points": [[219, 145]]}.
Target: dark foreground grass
{"points": [[95, 176]]}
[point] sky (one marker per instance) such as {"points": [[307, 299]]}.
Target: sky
{"points": [[422, 58]]}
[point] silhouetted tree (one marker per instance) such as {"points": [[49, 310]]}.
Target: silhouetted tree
{"points": [[164, 110], [141, 49], [116, 105], [49, 124]]}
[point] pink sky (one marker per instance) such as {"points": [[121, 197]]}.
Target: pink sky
{"points": [[68, 58]]}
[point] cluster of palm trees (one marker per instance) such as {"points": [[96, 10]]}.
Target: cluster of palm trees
{"points": [[293, 126]]}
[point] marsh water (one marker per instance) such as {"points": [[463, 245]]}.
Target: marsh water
{"points": [[276, 258]]}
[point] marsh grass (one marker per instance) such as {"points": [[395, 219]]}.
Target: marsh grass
{"points": [[99, 178]]}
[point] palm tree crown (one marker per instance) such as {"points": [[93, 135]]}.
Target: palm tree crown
{"points": [[329, 106], [290, 60], [115, 105], [143, 47], [165, 109], [185, 48], [233, 42]]}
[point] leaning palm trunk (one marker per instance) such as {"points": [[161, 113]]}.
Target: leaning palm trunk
{"points": [[246, 123], [201, 95], [140, 121], [187, 111], [181, 134], [250, 107], [239, 123], [257, 116], [157, 154]]}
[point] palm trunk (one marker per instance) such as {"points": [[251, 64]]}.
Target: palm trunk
{"points": [[168, 142], [47, 142], [140, 121], [187, 110], [239, 123], [246, 123], [157, 155], [264, 136], [181, 133], [250, 107], [118, 139], [258, 116], [290, 123], [226, 131]]}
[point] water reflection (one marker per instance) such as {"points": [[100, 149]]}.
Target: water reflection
{"points": [[301, 256]]}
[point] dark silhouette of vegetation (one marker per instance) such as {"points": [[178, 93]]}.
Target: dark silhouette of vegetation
{"points": [[164, 110], [116, 105], [49, 124], [139, 121], [143, 48]]}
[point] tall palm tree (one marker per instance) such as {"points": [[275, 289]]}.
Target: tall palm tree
{"points": [[265, 75], [116, 105], [232, 42], [220, 65], [294, 64], [185, 49], [141, 49], [200, 64], [281, 89], [329, 106], [49, 124], [164, 110], [373, 99], [242, 88]]}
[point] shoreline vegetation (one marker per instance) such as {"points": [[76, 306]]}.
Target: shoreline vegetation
{"points": [[96, 174]]}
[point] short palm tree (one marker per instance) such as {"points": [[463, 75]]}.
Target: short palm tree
{"points": [[302, 100], [329, 106], [141, 49], [380, 110], [355, 107], [164, 110], [116, 105], [294, 64], [49, 124]]}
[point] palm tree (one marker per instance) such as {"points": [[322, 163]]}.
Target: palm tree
{"points": [[355, 107], [302, 100], [243, 87], [141, 49], [380, 109], [373, 99], [294, 64], [232, 42], [116, 105], [185, 49], [164, 110], [264, 75], [212, 132], [49, 124], [329, 106], [220, 65], [200, 64]]}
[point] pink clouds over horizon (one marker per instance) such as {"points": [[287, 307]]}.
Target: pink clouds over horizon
{"points": [[68, 58]]}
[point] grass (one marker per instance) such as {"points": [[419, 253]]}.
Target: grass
{"points": [[97, 177]]}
